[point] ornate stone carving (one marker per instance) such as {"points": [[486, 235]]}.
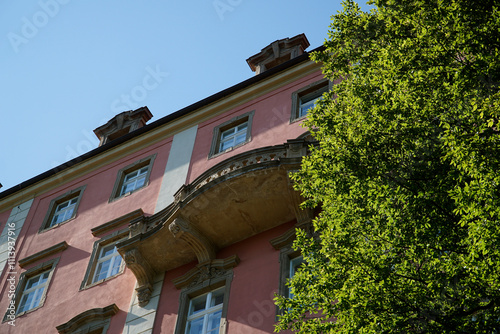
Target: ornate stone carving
{"points": [[137, 226], [144, 294], [202, 247], [296, 148], [143, 273], [248, 160], [205, 272]]}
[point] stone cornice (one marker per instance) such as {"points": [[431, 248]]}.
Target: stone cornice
{"points": [[106, 227], [86, 317], [43, 254]]}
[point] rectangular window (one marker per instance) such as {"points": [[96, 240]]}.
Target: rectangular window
{"points": [[63, 208], [32, 288], [33, 292], [304, 99], [105, 261], [132, 178], [231, 134], [205, 313], [108, 263], [64, 211], [308, 102], [204, 302]]}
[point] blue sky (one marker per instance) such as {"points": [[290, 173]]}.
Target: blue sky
{"points": [[69, 66]]}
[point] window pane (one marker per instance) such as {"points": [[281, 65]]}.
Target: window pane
{"points": [[44, 276], [32, 282], [195, 326], [217, 298], [56, 220], [240, 138], [25, 302], [295, 264], [62, 206], [108, 250], [242, 126], [102, 270], [214, 322], [198, 304], [130, 176], [225, 145], [228, 133], [38, 296], [140, 182], [117, 260]]}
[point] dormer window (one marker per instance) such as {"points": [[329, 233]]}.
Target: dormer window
{"points": [[122, 124]]}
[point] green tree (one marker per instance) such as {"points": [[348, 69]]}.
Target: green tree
{"points": [[406, 173]]}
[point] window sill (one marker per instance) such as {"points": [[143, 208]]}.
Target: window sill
{"points": [[232, 148], [56, 225], [101, 281]]}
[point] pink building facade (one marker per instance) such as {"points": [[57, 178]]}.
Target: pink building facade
{"points": [[181, 225]]}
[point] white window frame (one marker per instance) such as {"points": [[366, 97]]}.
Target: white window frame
{"points": [[37, 291], [307, 96], [233, 136], [113, 257], [233, 124], [142, 174], [121, 182], [206, 312], [41, 290], [69, 212], [96, 258], [66, 212], [191, 292]]}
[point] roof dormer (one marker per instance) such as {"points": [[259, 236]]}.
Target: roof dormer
{"points": [[277, 53], [122, 124]]}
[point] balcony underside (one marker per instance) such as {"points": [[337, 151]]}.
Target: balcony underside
{"points": [[238, 198]]}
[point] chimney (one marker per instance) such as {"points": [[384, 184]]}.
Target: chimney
{"points": [[277, 53], [122, 124]]}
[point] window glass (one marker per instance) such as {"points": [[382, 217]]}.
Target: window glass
{"points": [[134, 180], [64, 211], [306, 103], [108, 264], [233, 136], [205, 313], [33, 292]]}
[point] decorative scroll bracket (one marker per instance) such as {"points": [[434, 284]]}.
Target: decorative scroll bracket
{"points": [[143, 273], [202, 247]]}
